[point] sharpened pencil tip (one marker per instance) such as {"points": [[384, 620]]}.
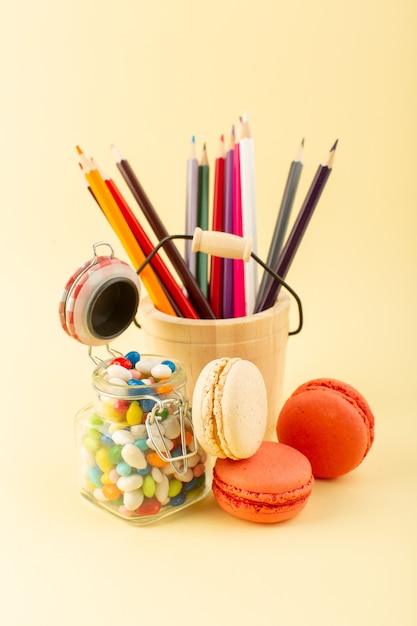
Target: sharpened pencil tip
{"points": [[118, 157], [204, 157], [193, 139], [330, 157], [78, 149], [299, 157], [84, 163]]}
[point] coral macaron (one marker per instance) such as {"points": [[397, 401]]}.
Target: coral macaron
{"points": [[271, 486], [331, 423]]}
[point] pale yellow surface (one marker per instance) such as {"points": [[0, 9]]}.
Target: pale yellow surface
{"points": [[147, 76]]}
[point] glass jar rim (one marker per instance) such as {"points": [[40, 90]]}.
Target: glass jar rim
{"points": [[131, 392]]}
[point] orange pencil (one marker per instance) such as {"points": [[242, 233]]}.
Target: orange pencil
{"points": [[110, 209]]}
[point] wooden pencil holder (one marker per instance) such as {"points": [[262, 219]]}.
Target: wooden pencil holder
{"points": [[261, 338]]}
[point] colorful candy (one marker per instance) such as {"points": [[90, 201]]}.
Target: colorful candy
{"points": [[134, 414], [134, 456], [131, 442]]}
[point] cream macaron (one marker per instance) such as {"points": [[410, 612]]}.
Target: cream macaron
{"points": [[229, 408]]}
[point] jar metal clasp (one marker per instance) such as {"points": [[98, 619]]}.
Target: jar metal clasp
{"points": [[179, 462]]}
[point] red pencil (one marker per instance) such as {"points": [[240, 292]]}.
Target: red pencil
{"points": [[176, 296], [216, 263]]}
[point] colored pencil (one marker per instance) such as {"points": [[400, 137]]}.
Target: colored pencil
{"points": [[247, 174], [195, 294], [281, 224], [110, 209], [203, 219], [239, 304], [294, 238], [216, 262], [191, 206], [174, 293], [228, 292]]}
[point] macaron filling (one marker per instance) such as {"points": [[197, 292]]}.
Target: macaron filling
{"points": [[230, 408], [271, 486], [211, 409], [263, 502], [219, 387]]}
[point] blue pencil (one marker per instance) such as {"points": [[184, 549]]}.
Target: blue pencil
{"points": [[281, 224]]}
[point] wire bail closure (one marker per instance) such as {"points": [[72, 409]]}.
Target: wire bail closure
{"points": [[153, 419], [96, 360], [231, 246]]}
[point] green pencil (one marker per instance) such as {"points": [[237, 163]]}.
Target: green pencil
{"points": [[203, 219]]}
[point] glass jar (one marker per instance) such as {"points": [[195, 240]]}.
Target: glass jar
{"points": [[138, 455]]}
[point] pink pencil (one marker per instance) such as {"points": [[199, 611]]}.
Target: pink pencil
{"points": [[239, 307], [228, 291]]}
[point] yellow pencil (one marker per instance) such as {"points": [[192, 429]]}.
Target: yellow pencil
{"points": [[112, 212]]}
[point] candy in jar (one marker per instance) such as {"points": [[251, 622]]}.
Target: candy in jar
{"points": [[138, 455]]}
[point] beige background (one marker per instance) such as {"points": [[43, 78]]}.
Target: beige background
{"points": [[147, 76]]}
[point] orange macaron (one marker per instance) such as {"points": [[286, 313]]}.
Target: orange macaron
{"points": [[271, 486], [331, 423]]}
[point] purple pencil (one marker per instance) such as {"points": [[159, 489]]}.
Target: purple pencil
{"points": [[191, 206], [294, 239]]}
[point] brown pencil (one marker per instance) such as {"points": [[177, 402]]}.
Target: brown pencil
{"points": [[195, 295]]}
